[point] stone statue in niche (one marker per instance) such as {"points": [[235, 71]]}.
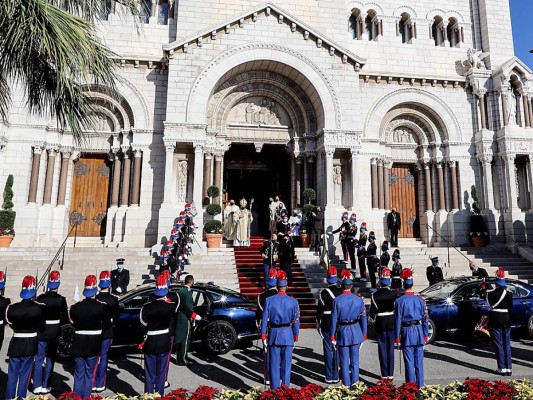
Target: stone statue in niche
{"points": [[401, 136], [182, 181], [264, 114], [511, 107], [337, 185]]}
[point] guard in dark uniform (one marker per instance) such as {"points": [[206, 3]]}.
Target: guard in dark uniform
{"points": [[89, 318], [280, 327], [361, 251], [384, 258], [4, 302], [501, 302], [342, 230], [26, 318], [351, 241], [157, 317], [120, 278], [478, 272], [396, 270], [372, 258], [286, 256], [382, 312], [270, 290], [348, 327], [184, 320], [434, 272], [113, 309], [269, 253], [56, 315], [411, 329], [323, 320]]}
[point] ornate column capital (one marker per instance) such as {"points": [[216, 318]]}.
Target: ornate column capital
{"points": [[208, 155], [374, 160], [355, 151], [38, 148], [198, 147], [137, 152], [329, 151], [170, 145], [52, 150], [380, 162]]}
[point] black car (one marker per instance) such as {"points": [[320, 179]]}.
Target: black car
{"points": [[228, 318]]}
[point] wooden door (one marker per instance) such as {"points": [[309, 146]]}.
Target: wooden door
{"points": [[90, 195], [403, 196]]}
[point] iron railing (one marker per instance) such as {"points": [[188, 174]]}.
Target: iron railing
{"points": [[449, 244]]}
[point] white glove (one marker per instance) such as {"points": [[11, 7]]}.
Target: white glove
{"points": [[119, 289], [265, 344], [334, 343], [197, 318]]}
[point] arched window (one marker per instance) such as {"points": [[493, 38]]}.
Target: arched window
{"points": [[453, 33], [105, 9], [145, 11], [437, 31], [162, 13], [406, 28], [373, 26], [355, 25]]}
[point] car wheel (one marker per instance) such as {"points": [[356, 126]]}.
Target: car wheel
{"points": [[66, 338], [530, 326], [220, 337], [432, 331]]}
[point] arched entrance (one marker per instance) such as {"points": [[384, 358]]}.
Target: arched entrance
{"points": [[257, 174]]}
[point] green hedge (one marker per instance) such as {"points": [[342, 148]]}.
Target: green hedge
{"points": [[213, 226]]}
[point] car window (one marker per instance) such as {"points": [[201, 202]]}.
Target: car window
{"points": [[137, 301], [469, 293], [442, 290], [517, 291], [198, 298]]}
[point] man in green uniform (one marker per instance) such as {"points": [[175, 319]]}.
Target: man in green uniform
{"points": [[184, 319]]}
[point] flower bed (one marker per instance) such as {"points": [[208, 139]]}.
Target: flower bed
{"points": [[470, 389]]}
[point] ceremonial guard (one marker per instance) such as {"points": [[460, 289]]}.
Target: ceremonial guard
{"points": [[280, 327], [89, 318], [382, 312], [411, 329], [478, 272], [184, 320], [501, 302], [348, 329], [384, 258], [361, 251], [56, 315], [113, 309], [120, 278], [317, 221], [351, 241], [342, 231], [4, 302], [26, 318], [434, 272], [270, 290], [396, 270], [269, 254], [372, 258], [157, 316], [323, 321], [286, 256]]}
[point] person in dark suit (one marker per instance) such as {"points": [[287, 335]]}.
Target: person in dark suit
{"points": [[56, 315], [501, 302], [434, 272], [318, 229], [286, 256], [184, 319], [27, 319], [372, 259], [270, 290], [89, 318], [120, 278], [113, 308], [394, 224], [269, 254], [478, 272], [4, 302]]}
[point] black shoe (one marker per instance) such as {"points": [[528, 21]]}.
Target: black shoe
{"points": [[186, 364], [508, 373], [167, 384]]}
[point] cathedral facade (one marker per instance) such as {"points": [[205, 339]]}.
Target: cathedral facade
{"points": [[374, 104]]}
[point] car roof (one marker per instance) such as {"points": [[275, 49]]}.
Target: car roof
{"points": [[197, 285], [490, 279]]}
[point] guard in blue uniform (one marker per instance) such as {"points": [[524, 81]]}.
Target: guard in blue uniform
{"points": [[348, 327], [26, 318], [382, 312], [411, 329], [113, 309], [323, 321], [501, 302], [56, 315], [342, 231], [280, 327], [157, 317], [4, 302], [89, 318], [270, 290]]}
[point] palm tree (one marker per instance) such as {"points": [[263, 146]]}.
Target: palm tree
{"points": [[50, 48]]}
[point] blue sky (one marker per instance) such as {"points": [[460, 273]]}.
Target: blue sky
{"points": [[522, 17]]}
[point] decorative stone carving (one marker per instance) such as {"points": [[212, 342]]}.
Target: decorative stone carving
{"points": [[342, 139], [511, 107], [401, 135], [182, 180], [259, 111], [337, 185], [475, 59]]}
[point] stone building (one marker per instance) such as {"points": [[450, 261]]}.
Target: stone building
{"points": [[373, 104]]}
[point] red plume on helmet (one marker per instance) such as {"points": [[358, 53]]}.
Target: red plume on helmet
{"points": [[90, 281], [105, 275], [281, 275], [385, 273], [500, 273], [2, 276], [345, 274], [166, 274], [273, 273], [28, 282], [161, 281], [332, 271], [406, 274], [54, 276]]}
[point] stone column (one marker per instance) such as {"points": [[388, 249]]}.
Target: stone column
{"points": [[298, 181], [453, 172], [482, 110], [63, 175], [208, 157], [440, 179], [374, 175], [34, 178], [386, 174], [381, 190], [311, 172], [292, 203], [355, 179], [329, 177], [49, 180], [525, 100], [427, 179], [169, 170], [504, 107], [126, 174], [530, 110], [198, 173], [488, 194], [306, 173], [530, 181], [137, 163], [218, 176], [115, 191], [510, 180]]}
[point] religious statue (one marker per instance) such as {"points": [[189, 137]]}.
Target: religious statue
{"points": [[230, 221], [511, 107], [182, 181], [475, 58], [243, 219], [337, 185]]}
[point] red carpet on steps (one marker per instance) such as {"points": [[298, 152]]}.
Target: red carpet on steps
{"points": [[251, 281]]}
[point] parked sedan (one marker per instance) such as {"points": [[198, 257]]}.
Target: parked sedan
{"points": [[457, 304], [228, 318]]}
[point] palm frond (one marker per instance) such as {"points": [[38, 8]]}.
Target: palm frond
{"points": [[93, 10], [5, 97]]}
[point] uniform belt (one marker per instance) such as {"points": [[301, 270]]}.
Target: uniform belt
{"points": [[1, 322], [346, 323], [25, 335], [159, 332], [99, 332], [499, 310], [280, 325], [396, 277], [326, 312], [384, 314], [412, 323], [52, 321]]}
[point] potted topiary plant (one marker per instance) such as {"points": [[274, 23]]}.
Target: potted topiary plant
{"points": [[478, 230], [7, 215], [213, 233], [309, 195]]}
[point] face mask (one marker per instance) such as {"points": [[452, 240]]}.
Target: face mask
{"points": [[120, 267]]}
